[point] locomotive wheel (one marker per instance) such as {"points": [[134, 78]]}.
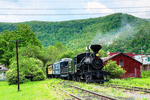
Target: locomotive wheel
{"points": [[102, 78], [68, 78], [78, 79], [87, 80], [73, 78]]}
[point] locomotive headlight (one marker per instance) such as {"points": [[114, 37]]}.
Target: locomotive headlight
{"points": [[97, 55]]}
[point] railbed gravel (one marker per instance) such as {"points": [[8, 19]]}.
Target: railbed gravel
{"points": [[132, 95]]}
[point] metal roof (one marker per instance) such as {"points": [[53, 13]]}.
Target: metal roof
{"points": [[63, 60], [108, 58]]}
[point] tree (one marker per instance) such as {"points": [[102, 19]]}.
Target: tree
{"points": [[148, 51], [68, 54], [60, 47], [115, 70], [23, 33], [50, 54], [31, 51], [102, 53]]}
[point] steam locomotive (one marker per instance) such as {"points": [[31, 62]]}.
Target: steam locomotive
{"points": [[85, 66]]}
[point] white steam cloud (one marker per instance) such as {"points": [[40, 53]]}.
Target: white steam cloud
{"points": [[108, 38]]}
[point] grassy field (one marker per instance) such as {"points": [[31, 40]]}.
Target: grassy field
{"points": [[140, 82], [42, 90], [38, 90]]}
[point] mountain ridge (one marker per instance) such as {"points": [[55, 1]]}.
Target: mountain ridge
{"points": [[76, 34]]}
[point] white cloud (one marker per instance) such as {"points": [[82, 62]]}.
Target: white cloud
{"points": [[95, 4], [135, 3], [8, 18], [23, 5]]}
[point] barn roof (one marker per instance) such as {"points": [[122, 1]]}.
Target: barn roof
{"points": [[108, 58], [129, 54]]}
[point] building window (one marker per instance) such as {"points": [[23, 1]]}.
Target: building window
{"points": [[121, 63]]}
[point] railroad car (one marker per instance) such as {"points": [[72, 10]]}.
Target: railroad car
{"points": [[49, 70], [59, 69]]}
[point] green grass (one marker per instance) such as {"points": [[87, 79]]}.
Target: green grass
{"points": [[43, 90], [140, 82], [38, 90]]}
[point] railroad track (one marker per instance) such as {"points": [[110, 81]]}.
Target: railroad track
{"points": [[67, 93], [95, 95], [83, 94], [88, 95], [133, 88], [100, 97]]}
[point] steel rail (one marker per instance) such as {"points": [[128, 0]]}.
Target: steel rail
{"points": [[94, 93], [73, 96], [97, 94], [147, 90]]}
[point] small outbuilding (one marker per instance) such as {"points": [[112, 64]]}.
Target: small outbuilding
{"points": [[131, 65], [3, 70]]}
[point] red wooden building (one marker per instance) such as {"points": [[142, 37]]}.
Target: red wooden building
{"points": [[131, 65]]}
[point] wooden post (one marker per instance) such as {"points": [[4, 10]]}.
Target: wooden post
{"points": [[17, 65], [17, 61]]}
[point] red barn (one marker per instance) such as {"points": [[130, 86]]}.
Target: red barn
{"points": [[131, 65]]}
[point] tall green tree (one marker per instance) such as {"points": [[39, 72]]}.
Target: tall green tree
{"points": [[67, 54], [50, 54], [60, 47], [23, 33]]}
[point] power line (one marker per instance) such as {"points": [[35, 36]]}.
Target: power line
{"points": [[57, 1], [70, 8], [69, 14]]}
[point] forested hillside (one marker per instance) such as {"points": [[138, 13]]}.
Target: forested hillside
{"points": [[80, 33], [139, 43]]}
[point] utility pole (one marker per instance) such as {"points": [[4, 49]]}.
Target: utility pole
{"points": [[17, 61]]}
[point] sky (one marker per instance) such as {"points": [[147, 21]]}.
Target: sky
{"points": [[63, 10]]}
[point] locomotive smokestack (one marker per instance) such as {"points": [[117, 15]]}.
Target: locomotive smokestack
{"points": [[95, 48]]}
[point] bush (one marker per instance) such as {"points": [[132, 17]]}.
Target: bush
{"points": [[38, 75], [145, 74], [11, 76], [27, 67], [115, 70]]}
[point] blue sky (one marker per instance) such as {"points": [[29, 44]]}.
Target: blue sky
{"points": [[88, 5]]}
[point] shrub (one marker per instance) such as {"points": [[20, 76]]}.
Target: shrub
{"points": [[145, 74], [27, 67], [11, 76], [115, 70], [38, 75]]}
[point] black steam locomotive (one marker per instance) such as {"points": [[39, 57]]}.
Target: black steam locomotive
{"points": [[85, 66]]}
